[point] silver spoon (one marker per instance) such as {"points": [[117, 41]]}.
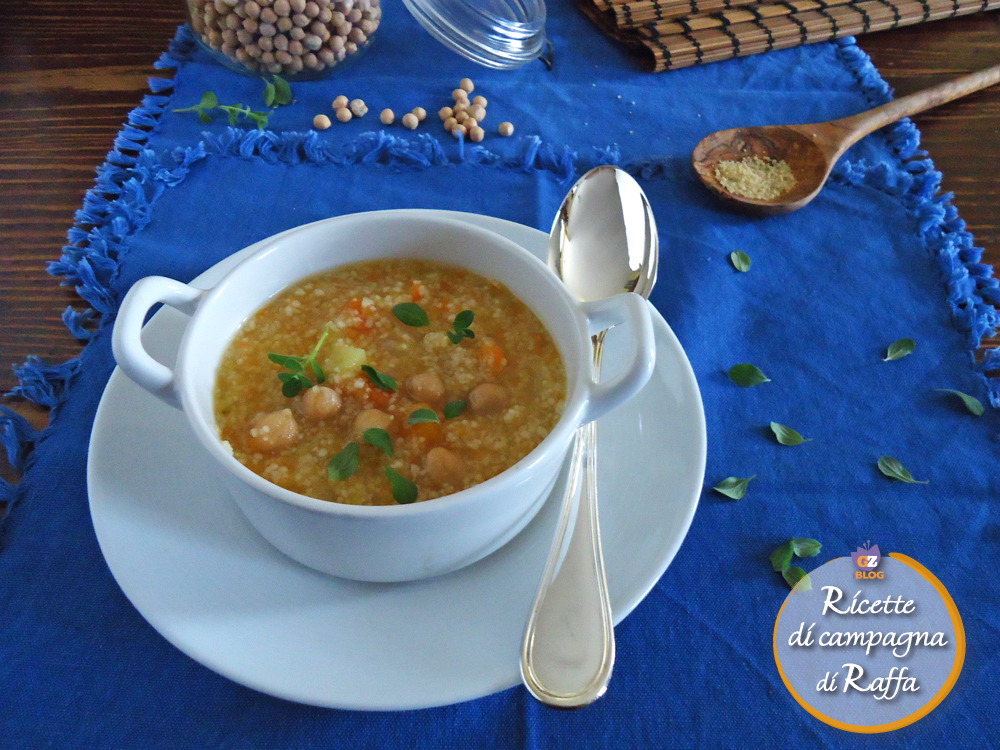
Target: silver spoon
{"points": [[603, 242]]}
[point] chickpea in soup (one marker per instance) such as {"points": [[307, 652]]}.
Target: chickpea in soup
{"points": [[388, 381]]}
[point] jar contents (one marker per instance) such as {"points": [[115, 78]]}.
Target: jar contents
{"points": [[761, 178], [285, 36]]}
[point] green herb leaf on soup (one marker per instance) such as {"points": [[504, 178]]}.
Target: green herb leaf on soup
{"points": [[204, 117], [733, 487], [805, 547], [318, 372], [295, 381], [282, 92], [287, 361], [899, 349], [741, 261], [269, 95], [972, 403], [411, 314], [403, 490], [793, 575], [208, 100], [895, 470], [379, 438], [453, 408], [781, 558], [461, 328], [379, 379], [342, 466], [420, 416], [786, 435], [747, 375]]}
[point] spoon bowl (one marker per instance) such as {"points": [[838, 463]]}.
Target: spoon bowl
{"points": [[812, 150], [809, 160]]}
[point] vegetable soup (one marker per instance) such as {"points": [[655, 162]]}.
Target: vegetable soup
{"points": [[388, 381]]}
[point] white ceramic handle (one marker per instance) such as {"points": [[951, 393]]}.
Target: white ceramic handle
{"points": [[602, 314], [126, 341]]}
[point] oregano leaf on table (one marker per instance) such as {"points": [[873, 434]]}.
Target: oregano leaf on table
{"points": [[895, 470], [972, 403], [781, 558], [805, 547], [793, 575], [282, 92], [733, 487], [899, 349], [741, 261], [746, 375], [786, 435]]}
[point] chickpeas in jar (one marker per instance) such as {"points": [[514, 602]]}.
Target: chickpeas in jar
{"points": [[290, 38]]}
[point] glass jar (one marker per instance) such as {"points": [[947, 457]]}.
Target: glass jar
{"points": [[301, 39], [296, 39], [496, 33]]}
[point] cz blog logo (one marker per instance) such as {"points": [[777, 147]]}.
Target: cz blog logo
{"points": [[867, 559]]}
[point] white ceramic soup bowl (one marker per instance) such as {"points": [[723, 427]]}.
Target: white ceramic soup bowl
{"points": [[383, 543]]}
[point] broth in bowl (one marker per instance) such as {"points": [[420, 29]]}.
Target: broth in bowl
{"points": [[390, 381]]}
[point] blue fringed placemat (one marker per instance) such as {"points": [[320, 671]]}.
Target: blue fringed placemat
{"points": [[877, 257]]}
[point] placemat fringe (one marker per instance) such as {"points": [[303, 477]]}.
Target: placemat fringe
{"points": [[18, 438], [973, 292], [115, 207]]}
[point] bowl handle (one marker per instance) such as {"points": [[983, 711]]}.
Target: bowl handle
{"points": [[602, 314], [126, 341]]}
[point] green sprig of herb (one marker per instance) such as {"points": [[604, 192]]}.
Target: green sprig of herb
{"points": [[453, 408], [278, 93], [411, 314], [422, 416], [342, 466], [899, 349], [747, 375], [781, 560], [895, 470], [460, 327], [741, 261], [786, 435], [733, 487], [972, 403], [403, 490], [380, 379], [379, 438], [295, 380], [210, 101]]}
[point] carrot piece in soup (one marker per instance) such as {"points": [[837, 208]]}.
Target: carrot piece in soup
{"points": [[492, 358]]}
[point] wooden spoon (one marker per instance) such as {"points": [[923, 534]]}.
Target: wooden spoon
{"points": [[812, 150]]}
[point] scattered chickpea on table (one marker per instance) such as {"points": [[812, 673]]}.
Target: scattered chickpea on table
{"points": [[463, 118]]}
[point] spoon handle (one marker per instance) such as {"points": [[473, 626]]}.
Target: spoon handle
{"points": [[860, 125], [569, 642]]}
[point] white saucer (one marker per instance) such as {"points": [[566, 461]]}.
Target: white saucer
{"points": [[198, 572]]}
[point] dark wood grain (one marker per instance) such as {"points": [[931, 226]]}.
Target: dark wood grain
{"points": [[71, 71]]}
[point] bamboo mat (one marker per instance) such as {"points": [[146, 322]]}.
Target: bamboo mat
{"points": [[678, 33]]}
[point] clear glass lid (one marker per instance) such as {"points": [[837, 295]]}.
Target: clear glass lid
{"points": [[496, 33]]}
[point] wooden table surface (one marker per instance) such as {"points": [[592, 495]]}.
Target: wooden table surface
{"points": [[71, 72]]}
